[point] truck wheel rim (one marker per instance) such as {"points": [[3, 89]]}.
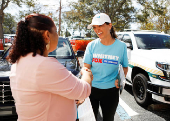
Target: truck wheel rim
{"points": [[140, 90]]}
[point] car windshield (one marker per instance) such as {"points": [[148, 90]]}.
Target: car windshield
{"points": [[4, 64], [152, 41], [63, 49]]}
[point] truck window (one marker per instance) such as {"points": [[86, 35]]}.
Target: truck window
{"points": [[127, 39], [152, 41], [119, 36]]}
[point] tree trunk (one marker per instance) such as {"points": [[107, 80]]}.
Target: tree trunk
{"points": [[59, 29], [1, 21]]}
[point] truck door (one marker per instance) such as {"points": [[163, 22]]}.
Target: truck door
{"points": [[127, 39]]}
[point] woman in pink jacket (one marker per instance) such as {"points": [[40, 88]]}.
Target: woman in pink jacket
{"points": [[43, 89]]}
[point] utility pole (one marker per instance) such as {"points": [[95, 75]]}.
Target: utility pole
{"points": [[59, 29], [1, 21], [1, 27], [66, 32]]}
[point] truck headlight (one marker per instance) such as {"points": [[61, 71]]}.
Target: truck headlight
{"points": [[165, 67]]}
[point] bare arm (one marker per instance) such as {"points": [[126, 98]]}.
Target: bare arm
{"points": [[125, 69], [86, 76], [86, 73], [87, 65]]}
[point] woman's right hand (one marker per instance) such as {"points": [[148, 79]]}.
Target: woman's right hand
{"points": [[86, 70], [117, 83], [86, 75]]}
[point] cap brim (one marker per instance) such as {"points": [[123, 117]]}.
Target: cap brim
{"points": [[97, 23], [89, 26]]}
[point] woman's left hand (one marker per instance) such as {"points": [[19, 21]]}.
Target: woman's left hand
{"points": [[79, 102], [116, 83]]}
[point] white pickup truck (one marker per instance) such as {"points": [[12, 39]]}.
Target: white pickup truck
{"points": [[149, 65]]}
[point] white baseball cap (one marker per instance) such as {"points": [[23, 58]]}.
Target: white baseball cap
{"points": [[99, 19]]}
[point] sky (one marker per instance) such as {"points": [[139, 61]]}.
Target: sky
{"points": [[53, 5], [49, 6]]}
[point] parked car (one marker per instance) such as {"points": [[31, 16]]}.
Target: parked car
{"points": [[7, 39], [12, 36], [76, 37], [1, 52], [63, 53], [149, 65]]}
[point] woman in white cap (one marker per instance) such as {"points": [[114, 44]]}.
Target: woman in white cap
{"points": [[103, 57]]}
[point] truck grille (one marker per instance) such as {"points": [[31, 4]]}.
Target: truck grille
{"points": [[6, 98], [157, 90]]}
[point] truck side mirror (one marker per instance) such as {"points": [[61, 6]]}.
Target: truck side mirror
{"points": [[129, 46], [80, 53]]}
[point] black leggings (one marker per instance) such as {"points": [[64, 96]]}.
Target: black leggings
{"points": [[108, 100]]}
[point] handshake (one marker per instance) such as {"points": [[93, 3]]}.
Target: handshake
{"points": [[87, 72], [86, 76]]}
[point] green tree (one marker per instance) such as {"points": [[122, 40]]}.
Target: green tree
{"points": [[82, 12], [4, 4], [163, 21], [154, 15], [67, 33], [9, 24], [32, 7], [147, 26], [57, 16], [144, 14]]}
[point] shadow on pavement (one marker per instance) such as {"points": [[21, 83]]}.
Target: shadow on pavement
{"points": [[128, 88], [9, 118], [99, 117]]}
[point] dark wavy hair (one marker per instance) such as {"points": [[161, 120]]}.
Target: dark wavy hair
{"points": [[112, 31], [29, 36]]}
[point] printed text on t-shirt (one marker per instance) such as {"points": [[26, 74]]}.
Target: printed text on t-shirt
{"points": [[108, 59]]}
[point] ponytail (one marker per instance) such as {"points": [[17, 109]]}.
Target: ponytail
{"points": [[21, 44], [22, 35], [112, 31], [29, 36]]}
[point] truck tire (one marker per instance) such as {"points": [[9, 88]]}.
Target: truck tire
{"points": [[139, 88]]}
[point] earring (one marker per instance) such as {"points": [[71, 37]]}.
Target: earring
{"points": [[48, 46]]}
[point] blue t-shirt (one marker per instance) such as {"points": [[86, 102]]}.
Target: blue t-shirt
{"points": [[104, 61]]}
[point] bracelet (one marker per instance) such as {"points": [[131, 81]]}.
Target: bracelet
{"points": [[88, 70]]}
